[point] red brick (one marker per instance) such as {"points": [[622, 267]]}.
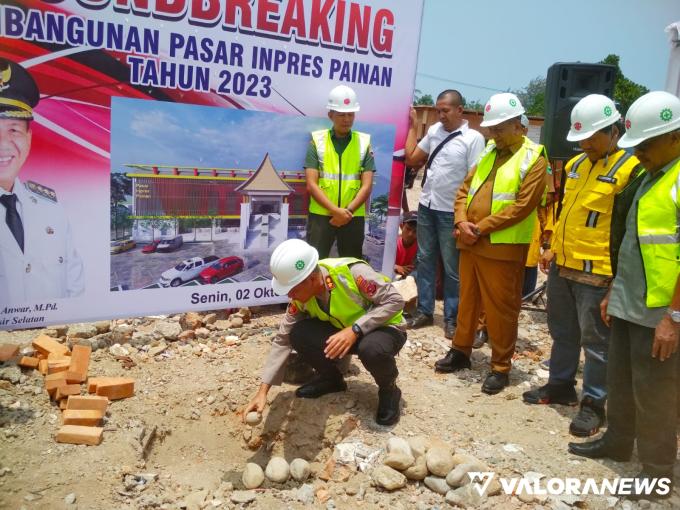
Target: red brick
{"points": [[57, 366], [42, 366], [88, 402], [116, 387], [87, 417], [78, 434], [29, 362], [74, 377], [8, 351], [46, 344], [57, 356], [53, 384], [80, 360], [66, 390]]}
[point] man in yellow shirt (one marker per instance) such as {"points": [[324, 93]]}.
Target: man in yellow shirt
{"points": [[578, 263]]}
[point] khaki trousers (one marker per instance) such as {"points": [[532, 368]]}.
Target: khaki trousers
{"points": [[493, 286]]}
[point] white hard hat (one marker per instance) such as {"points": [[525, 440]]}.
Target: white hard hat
{"points": [[651, 115], [591, 114], [501, 107], [342, 99], [292, 261]]}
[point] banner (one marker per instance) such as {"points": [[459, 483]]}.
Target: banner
{"points": [[165, 159]]}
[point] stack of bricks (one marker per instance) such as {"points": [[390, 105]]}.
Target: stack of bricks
{"points": [[64, 372]]}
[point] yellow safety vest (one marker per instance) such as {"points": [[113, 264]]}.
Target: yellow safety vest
{"points": [[658, 225], [346, 304], [506, 185], [339, 177], [582, 233]]}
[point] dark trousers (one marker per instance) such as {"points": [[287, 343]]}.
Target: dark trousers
{"points": [[530, 278], [574, 322], [642, 401], [350, 237], [376, 350]]}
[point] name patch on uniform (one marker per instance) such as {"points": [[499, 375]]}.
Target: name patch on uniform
{"points": [[604, 178], [330, 284], [368, 287], [41, 190]]}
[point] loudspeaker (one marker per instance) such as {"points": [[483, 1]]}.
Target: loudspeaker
{"points": [[566, 84]]}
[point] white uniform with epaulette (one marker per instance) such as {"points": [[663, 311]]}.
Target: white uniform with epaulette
{"points": [[49, 266]]}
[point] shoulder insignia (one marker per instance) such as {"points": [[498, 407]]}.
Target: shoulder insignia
{"points": [[42, 191], [330, 284], [368, 287], [292, 309]]}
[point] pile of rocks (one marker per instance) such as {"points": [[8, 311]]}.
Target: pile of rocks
{"points": [[437, 467], [277, 471]]}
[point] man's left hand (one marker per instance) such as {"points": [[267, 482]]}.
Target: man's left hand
{"points": [[338, 345], [665, 339]]}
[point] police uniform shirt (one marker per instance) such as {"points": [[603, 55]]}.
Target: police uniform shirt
{"points": [[49, 267], [386, 302]]}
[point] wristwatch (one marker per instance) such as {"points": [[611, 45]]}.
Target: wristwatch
{"points": [[674, 315], [359, 333]]}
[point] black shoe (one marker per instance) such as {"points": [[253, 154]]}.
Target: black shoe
{"points": [[449, 329], [388, 405], [656, 491], [319, 386], [453, 361], [588, 420], [599, 449], [481, 337], [420, 320], [495, 382], [563, 394]]}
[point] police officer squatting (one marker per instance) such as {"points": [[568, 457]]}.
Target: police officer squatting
{"points": [[338, 307]]}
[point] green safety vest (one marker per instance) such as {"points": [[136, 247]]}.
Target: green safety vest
{"points": [[659, 237], [339, 177], [346, 304], [508, 180]]}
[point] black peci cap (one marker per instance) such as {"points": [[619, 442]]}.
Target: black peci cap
{"points": [[18, 92]]}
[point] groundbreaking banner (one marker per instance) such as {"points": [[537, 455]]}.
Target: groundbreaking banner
{"points": [[152, 151]]}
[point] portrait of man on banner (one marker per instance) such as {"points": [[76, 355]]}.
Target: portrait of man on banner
{"points": [[38, 259]]}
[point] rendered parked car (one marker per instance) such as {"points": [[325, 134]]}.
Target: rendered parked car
{"points": [[122, 245], [227, 266], [168, 245], [185, 271], [151, 247]]}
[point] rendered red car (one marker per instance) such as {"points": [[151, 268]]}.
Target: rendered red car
{"points": [[150, 248], [227, 266]]}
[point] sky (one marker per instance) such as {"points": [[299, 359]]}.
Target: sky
{"points": [[498, 44], [164, 133]]}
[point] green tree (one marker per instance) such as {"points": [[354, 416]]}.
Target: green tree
{"points": [[121, 187], [475, 105], [422, 99], [532, 96], [625, 91]]}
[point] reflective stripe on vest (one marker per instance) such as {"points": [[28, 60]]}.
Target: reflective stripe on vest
{"points": [[582, 233], [339, 176], [346, 304], [506, 185], [658, 223]]}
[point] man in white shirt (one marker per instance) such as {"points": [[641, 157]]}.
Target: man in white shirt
{"points": [[450, 148]]}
